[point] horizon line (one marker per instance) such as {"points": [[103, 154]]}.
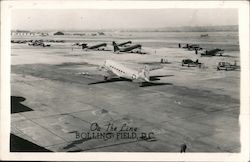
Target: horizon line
{"points": [[142, 28]]}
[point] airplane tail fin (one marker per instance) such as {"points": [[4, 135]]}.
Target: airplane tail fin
{"points": [[144, 74], [116, 48]]}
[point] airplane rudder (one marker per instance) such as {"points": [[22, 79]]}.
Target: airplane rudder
{"points": [[145, 71], [116, 48], [114, 44]]}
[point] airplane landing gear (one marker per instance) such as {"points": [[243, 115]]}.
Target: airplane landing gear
{"points": [[105, 78]]}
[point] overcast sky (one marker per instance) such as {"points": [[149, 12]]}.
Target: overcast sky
{"points": [[45, 19]]}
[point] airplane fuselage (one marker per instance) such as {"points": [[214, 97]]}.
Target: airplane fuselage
{"points": [[122, 71], [124, 43], [130, 48], [213, 52], [97, 46], [126, 49]]}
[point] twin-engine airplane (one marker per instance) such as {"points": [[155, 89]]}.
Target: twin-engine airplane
{"points": [[100, 46], [115, 72], [97, 46], [115, 69], [126, 49]]}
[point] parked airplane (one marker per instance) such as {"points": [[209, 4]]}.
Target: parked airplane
{"points": [[124, 43], [78, 44], [97, 46], [204, 35], [115, 69], [115, 72], [191, 63], [38, 43], [191, 47], [212, 52], [127, 49]]}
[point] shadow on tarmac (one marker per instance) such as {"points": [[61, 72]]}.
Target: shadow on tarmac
{"points": [[110, 81], [157, 77], [17, 106], [144, 84], [149, 84], [18, 144]]}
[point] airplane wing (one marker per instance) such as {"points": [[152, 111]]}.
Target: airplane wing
{"points": [[152, 65], [106, 72], [155, 67], [109, 73], [96, 71]]}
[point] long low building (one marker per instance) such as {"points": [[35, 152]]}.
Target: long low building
{"points": [[29, 33]]}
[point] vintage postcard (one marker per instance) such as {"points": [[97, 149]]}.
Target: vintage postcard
{"points": [[123, 80]]}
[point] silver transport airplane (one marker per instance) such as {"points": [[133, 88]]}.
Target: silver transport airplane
{"points": [[115, 69]]}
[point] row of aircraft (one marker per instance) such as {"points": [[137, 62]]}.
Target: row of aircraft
{"points": [[213, 52], [115, 69], [117, 48], [201, 51]]}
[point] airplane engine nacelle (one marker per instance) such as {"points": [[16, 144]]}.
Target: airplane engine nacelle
{"points": [[134, 77]]}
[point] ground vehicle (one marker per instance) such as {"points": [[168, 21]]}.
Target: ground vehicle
{"points": [[227, 66]]}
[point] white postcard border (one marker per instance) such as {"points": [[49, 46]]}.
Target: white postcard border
{"points": [[8, 6]]}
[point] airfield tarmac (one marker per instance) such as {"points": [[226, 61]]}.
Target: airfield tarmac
{"points": [[63, 91]]}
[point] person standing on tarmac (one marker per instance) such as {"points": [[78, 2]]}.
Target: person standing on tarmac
{"points": [[183, 148]]}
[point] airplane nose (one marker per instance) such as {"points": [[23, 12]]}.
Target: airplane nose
{"points": [[146, 79]]}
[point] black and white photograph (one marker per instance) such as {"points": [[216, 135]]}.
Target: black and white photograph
{"points": [[134, 80]]}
